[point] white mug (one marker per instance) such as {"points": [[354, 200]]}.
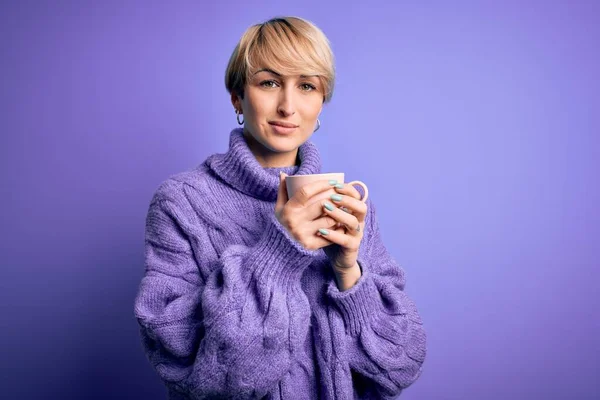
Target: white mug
{"points": [[295, 182]]}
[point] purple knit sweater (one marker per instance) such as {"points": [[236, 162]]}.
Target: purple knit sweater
{"points": [[231, 306]]}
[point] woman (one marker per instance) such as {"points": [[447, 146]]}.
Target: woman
{"points": [[248, 293]]}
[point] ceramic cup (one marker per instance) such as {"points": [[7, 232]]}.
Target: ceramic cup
{"points": [[295, 182]]}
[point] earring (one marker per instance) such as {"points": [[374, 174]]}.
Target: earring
{"points": [[237, 116], [318, 125]]}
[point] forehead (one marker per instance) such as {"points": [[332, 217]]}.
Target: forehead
{"points": [[283, 73]]}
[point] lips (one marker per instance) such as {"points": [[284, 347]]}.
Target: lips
{"points": [[283, 124]]}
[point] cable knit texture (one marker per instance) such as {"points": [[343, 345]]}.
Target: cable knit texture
{"points": [[231, 306]]}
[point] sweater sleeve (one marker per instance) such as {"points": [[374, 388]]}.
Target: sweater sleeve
{"points": [[384, 336], [230, 332]]}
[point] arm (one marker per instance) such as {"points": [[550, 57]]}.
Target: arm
{"points": [[233, 333], [384, 336]]}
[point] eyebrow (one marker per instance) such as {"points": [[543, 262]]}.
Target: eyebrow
{"points": [[279, 75]]}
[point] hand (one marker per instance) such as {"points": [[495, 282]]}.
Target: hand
{"points": [[344, 254], [302, 217]]}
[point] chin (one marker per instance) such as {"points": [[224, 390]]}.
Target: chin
{"points": [[282, 144]]}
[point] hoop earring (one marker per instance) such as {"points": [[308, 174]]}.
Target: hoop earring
{"points": [[237, 117], [318, 125]]}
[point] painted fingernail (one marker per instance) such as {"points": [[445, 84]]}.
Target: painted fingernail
{"points": [[324, 231], [336, 197], [333, 182], [329, 206], [339, 186]]}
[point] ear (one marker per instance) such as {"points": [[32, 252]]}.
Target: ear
{"points": [[236, 101]]}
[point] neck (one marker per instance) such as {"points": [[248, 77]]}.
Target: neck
{"points": [[240, 168], [268, 159]]}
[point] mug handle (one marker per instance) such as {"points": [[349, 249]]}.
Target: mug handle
{"points": [[364, 186]]}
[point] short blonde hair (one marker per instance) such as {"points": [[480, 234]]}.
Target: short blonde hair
{"points": [[287, 45]]}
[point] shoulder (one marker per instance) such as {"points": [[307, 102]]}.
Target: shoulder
{"points": [[176, 194], [174, 187], [192, 196]]}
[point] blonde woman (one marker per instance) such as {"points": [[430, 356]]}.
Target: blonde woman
{"points": [[249, 294]]}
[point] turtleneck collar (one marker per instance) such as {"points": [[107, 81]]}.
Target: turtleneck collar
{"points": [[241, 170]]}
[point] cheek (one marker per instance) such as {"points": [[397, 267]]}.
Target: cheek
{"points": [[258, 107], [312, 107]]}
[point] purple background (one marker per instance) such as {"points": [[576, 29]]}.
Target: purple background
{"points": [[475, 125]]}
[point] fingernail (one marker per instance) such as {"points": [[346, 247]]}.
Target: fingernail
{"points": [[336, 197], [329, 206], [339, 186], [332, 182], [324, 231]]}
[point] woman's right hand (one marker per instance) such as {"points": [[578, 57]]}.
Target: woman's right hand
{"points": [[302, 216]]}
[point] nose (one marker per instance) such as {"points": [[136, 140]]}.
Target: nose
{"points": [[286, 105]]}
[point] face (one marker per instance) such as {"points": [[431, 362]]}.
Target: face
{"points": [[280, 112]]}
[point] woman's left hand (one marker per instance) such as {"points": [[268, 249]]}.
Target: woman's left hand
{"points": [[343, 254]]}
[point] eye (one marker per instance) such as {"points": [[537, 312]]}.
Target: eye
{"points": [[308, 87], [268, 84]]}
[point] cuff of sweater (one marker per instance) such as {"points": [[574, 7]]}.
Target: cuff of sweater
{"points": [[278, 257], [357, 305]]}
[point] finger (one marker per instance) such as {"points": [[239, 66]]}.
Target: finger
{"points": [[352, 224], [348, 190], [355, 207], [306, 192], [314, 211], [344, 240], [282, 195], [324, 221], [320, 242]]}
